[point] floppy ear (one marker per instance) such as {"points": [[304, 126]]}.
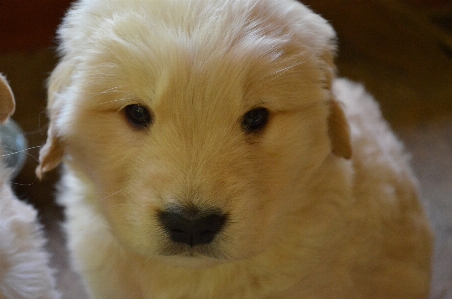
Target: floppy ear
{"points": [[51, 153], [339, 131], [7, 103], [338, 127]]}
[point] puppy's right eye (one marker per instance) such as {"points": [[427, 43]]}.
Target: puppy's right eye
{"points": [[255, 120], [138, 115]]}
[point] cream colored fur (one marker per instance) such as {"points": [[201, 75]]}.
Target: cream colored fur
{"points": [[322, 203], [24, 270]]}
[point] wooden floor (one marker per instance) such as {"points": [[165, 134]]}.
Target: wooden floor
{"points": [[403, 56]]}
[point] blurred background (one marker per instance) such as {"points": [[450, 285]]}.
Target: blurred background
{"points": [[401, 50]]}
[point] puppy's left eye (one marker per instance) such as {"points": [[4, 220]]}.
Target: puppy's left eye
{"points": [[255, 120], [138, 115]]}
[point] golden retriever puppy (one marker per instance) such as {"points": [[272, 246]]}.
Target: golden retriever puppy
{"points": [[24, 270], [208, 153]]}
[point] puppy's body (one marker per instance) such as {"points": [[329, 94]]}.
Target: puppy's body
{"points": [[24, 269], [310, 209]]}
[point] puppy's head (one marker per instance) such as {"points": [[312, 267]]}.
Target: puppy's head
{"points": [[196, 122]]}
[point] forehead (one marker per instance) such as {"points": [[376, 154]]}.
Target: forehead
{"points": [[244, 79], [245, 62]]}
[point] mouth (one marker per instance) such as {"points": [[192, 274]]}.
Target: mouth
{"points": [[200, 256], [193, 252]]}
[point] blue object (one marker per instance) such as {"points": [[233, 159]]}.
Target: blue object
{"points": [[14, 146]]}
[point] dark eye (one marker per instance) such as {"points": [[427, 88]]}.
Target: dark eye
{"points": [[255, 120], [138, 115]]}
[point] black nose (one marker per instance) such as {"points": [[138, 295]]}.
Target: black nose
{"points": [[184, 227]]}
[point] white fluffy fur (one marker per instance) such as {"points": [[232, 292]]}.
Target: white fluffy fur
{"points": [[24, 270], [322, 202]]}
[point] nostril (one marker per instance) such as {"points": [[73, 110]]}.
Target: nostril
{"points": [[189, 230]]}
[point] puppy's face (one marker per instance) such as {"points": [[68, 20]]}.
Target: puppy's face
{"points": [[196, 144]]}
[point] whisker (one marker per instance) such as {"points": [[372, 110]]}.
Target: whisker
{"points": [[128, 204], [282, 71], [21, 151], [116, 89], [22, 184], [34, 158], [273, 76], [112, 101], [113, 194], [109, 91]]}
